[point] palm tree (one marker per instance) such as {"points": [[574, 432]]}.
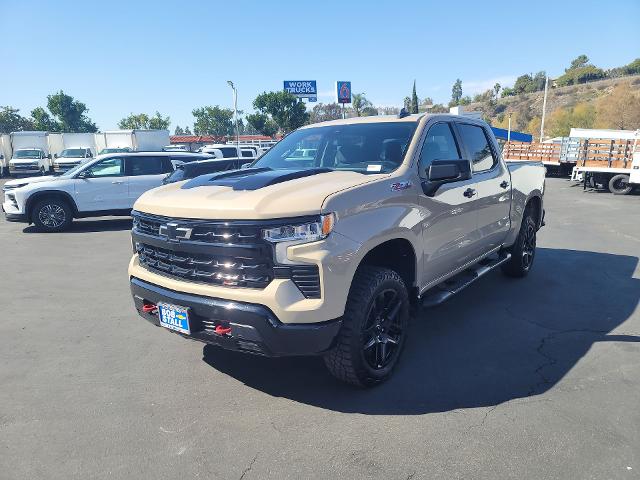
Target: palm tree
{"points": [[359, 102]]}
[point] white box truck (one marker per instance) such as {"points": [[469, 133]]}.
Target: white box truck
{"points": [[132, 141], [30, 153], [76, 148], [5, 153]]}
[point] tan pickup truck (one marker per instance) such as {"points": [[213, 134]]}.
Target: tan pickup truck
{"points": [[323, 253]]}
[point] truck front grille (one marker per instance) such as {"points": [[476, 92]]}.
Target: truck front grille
{"points": [[220, 270], [227, 253]]}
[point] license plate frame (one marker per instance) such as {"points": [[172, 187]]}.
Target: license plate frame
{"points": [[174, 317]]}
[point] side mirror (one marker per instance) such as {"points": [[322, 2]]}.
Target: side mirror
{"points": [[441, 172], [55, 155], [245, 165], [84, 174], [49, 156]]}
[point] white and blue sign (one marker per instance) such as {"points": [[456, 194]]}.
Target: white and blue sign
{"points": [[343, 92], [302, 89]]}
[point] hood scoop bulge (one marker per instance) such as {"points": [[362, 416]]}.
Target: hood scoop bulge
{"points": [[251, 178]]}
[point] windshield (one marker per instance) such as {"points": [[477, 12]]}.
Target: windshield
{"points": [[360, 147], [114, 150], [72, 153], [27, 154], [71, 172]]}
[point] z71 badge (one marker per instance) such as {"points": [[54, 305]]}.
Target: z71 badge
{"points": [[398, 186]]}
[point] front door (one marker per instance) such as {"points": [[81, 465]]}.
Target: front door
{"points": [[450, 217], [493, 185], [145, 172], [103, 188]]}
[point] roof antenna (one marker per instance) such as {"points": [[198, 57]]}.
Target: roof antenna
{"points": [[403, 113]]}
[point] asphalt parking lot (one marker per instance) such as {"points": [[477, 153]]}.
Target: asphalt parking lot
{"points": [[532, 378]]}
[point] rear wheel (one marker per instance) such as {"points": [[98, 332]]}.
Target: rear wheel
{"points": [[523, 250], [51, 215], [373, 330], [619, 185]]}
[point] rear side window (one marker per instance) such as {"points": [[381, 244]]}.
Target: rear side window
{"points": [[148, 166], [477, 144], [229, 152], [440, 144]]}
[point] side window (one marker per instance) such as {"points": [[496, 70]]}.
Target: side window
{"points": [[229, 152], [477, 144], [440, 144], [109, 167], [145, 166], [167, 166]]}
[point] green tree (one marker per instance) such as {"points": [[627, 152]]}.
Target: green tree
{"points": [[134, 121], [496, 90], [178, 130], [322, 112], [262, 123], [414, 99], [284, 109], [42, 121], [187, 131], [12, 121], [456, 93], [407, 103], [580, 71], [359, 102], [158, 122], [70, 113], [579, 62], [213, 121]]}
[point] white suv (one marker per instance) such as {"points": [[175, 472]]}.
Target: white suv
{"points": [[107, 185]]}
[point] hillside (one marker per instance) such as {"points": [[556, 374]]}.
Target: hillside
{"points": [[583, 100]]}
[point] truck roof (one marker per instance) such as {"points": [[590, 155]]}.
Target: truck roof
{"points": [[391, 118]]}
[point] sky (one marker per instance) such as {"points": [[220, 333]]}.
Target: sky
{"points": [[122, 57]]}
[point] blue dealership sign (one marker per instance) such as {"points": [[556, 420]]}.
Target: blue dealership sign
{"points": [[343, 91], [302, 89]]}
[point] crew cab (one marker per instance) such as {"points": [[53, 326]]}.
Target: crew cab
{"points": [[106, 185], [321, 246]]}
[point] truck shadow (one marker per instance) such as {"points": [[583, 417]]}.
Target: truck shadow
{"points": [[86, 226], [499, 340]]}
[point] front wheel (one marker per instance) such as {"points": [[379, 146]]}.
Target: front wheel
{"points": [[51, 215], [619, 185], [524, 249], [374, 328]]}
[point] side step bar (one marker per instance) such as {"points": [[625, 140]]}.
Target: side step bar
{"points": [[447, 289]]}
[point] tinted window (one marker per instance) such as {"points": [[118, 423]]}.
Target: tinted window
{"points": [[477, 144], [192, 170], [147, 166], [229, 152], [440, 144], [109, 167], [360, 147], [247, 153]]}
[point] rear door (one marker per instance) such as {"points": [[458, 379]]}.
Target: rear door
{"points": [[450, 217], [105, 187], [145, 172], [493, 185]]}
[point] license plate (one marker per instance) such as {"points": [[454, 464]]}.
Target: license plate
{"points": [[174, 317]]}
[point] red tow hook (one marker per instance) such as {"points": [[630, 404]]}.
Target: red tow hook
{"points": [[149, 308], [220, 330]]}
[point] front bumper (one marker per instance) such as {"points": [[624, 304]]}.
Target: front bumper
{"points": [[254, 328]]}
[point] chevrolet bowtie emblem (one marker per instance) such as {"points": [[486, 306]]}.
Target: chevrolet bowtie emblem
{"points": [[174, 233]]}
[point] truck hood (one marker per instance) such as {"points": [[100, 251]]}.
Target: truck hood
{"points": [[29, 180], [249, 194]]}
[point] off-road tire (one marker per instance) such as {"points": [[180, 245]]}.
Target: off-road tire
{"points": [[346, 361], [619, 185], [51, 214], [524, 249]]}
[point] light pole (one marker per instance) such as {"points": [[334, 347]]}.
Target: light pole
{"points": [[235, 114], [509, 131], [544, 108]]}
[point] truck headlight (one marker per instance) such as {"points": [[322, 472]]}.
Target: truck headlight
{"points": [[6, 188], [301, 233]]}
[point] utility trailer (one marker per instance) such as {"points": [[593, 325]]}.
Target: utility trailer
{"points": [[612, 164], [132, 140], [559, 155]]}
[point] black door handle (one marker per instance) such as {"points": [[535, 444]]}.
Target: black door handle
{"points": [[504, 184], [469, 192]]}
